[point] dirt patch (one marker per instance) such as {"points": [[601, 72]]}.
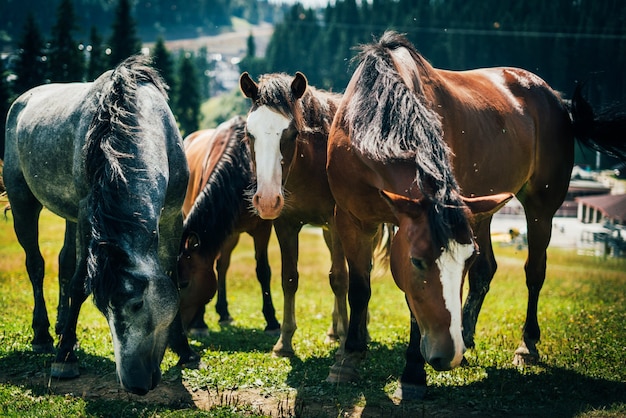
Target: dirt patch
{"points": [[174, 394]]}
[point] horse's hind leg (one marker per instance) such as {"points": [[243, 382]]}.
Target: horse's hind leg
{"points": [[539, 232], [26, 210], [264, 275], [67, 267], [480, 275]]}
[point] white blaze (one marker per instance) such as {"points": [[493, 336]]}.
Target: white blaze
{"points": [[451, 263], [267, 127]]}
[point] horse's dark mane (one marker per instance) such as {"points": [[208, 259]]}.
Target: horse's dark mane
{"points": [[109, 149], [220, 202], [390, 121], [313, 113]]}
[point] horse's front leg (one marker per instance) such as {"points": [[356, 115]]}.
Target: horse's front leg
{"points": [[261, 237], [287, 234], [480, 275], [412, 385], [357, 245], [222, 264], [67, 268], [65, 366]]}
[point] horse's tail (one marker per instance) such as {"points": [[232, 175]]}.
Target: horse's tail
{"points": [[218, 205], [604, 132]]}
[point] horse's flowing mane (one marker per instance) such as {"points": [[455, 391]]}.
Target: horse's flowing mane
{"points": [[313, 113], [390, 120], [219, 203], [109, 157]]}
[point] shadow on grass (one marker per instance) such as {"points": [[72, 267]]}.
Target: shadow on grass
{"points": [[233, 338], [542, 392], [97, 384]]}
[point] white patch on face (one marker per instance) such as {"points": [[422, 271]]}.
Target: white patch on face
{"points": [[267, 128], [117, 347], [451, 263], [497, 78]]}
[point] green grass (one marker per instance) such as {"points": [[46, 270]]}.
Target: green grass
{"points": [[582, 371]]}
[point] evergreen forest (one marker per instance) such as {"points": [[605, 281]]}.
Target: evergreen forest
{"points": [[562, 41]]}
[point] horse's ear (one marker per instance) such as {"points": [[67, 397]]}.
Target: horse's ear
{"points": [[248, 87], [485, 206], [298, 85], [402, 205]]}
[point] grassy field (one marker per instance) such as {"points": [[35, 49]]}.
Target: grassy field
{"points": [[582, 371]]}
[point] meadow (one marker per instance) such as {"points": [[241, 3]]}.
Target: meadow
{"points": [[581, 373]]}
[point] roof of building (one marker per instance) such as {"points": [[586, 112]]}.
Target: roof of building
{"points": [[613, 206]]}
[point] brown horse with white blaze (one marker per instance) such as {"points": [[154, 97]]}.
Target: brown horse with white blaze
{"points": [[406, 140], [287, 127]]}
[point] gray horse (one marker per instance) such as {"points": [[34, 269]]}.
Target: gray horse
{"points": [[106, 156]]}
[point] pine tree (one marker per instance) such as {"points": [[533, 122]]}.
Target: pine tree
{"points": [[162, 61], [124, 41], [66, 60], [187, 107], [30, 68], [5, 102], [97, 59]]}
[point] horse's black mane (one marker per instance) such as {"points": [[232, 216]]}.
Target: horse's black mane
{"points": [[219, 204], [314, 111], [389, 121], [109, 149]]}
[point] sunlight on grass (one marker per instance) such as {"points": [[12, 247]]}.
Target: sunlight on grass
{"points": [[582, 312]]}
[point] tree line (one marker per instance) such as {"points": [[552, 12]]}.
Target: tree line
{"points": [[562, 41], [61, 58]]}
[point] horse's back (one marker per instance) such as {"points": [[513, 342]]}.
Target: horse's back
{"points": [[46, 127], [505, 120], [197, 146]]}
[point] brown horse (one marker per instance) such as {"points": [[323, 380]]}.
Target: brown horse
{"points": [[215, 211], [505, 131], [288, 127]]}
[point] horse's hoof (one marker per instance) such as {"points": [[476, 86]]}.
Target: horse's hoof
{"points": [[190, 361], [273, 331], [198, 332], [283, 353], [410, 392], [524, 357], [67, 370], [331, 339], [226, 321], [45, 348], [340, 373]]}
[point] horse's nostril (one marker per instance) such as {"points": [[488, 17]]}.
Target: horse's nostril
{"points": [[439, 364], [279, 202]]}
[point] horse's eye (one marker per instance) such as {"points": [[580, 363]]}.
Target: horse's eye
{"points": [[419, 263], [136, 306]]}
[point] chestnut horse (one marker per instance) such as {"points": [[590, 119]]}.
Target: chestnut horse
{"points": [[216, 213], [288, 127], [406, 140]]}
